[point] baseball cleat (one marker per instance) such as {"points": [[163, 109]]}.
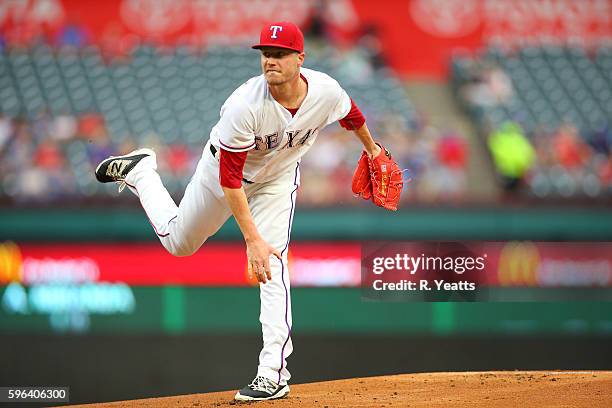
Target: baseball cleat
{"points": [[116, 168], [261, 389]]}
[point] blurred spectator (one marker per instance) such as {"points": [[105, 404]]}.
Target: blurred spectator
{"points": [[41, 126], [570, 151], [21, 150], [499, 84], [602, 139], [48, 156], [489, 86], [72, 34], [605, 171], [451, 151], [359, 61], [542, 143], [6, 130], [63, 127], [371, 44], [513, 154], [452, 156], [436, 166], [91, 125], [334, 23], [353, 63], [31, 184], [179, 159], [99, 149], [559, 159], [315, 33], [19, 176]]}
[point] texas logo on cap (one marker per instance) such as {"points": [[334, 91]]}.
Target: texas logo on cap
{"points": [[281, 35]]}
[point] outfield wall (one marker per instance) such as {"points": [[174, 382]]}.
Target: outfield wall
{"points": [[202, 310], [173, 297], [130, 224]]}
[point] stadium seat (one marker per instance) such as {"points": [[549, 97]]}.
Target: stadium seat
{"points": [[552, 85], [174, 93]]}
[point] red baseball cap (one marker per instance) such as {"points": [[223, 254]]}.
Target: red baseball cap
{"points": [[281, 35]]}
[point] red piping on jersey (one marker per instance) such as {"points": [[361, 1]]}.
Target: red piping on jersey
{"points": [[354, 120]]}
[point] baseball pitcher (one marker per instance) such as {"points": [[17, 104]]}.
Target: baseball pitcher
{"points": [[250, 169]]}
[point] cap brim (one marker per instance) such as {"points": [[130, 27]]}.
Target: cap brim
{"points": [[274, 45]]}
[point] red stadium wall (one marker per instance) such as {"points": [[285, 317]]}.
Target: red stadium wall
{"points": [[330, 264], [418, 36], [217, 264]]}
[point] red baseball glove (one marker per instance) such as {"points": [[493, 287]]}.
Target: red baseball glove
{"points": [[362, 182], [379, 179]]}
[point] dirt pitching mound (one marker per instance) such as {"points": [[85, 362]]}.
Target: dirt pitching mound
{"points": [[470, 389]]}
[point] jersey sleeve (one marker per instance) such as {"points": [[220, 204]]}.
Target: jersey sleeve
{"points": [[342, 106], [231, 165], [236, 126], [354, 120]]}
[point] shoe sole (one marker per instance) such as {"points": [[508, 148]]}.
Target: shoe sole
{"points": [[280, 394], [135, 152]]}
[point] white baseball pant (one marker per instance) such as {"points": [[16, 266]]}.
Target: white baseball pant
{"points": [[200, 214]]}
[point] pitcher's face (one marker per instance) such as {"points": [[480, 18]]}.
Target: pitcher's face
{"points": [[280, 65]]}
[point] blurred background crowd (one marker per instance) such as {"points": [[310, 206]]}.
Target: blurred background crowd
{"points": [[539, 116], [64, 108], [545, 115], [66, 103]]}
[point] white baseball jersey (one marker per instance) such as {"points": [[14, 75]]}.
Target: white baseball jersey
{"points": [[251, 119]]}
